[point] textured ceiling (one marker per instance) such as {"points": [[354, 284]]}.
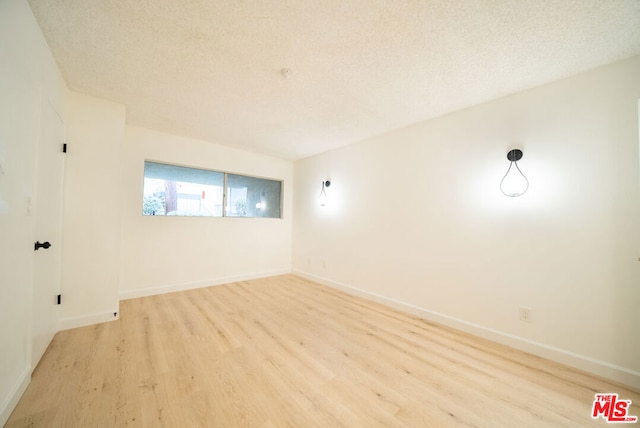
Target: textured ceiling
{"points": [[357, 68]]}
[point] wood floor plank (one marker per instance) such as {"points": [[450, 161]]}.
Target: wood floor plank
{"points": [[287, 352]]}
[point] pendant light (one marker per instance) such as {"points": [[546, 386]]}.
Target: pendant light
{"points": [[514, 183], [323, 193]]}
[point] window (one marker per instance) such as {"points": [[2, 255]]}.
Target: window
{"points": [[177, 190], [182, 191], [252, 197]]}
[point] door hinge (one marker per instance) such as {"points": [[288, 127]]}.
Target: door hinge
{"points": [[64, 148], [59, 298]]}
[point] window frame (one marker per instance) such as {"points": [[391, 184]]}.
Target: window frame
{"points": [[224, 191]]}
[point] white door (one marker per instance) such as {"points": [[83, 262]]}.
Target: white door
{"points": [[48, 217]]}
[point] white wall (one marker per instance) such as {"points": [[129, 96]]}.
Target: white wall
{"points": [[417, 220], [161, 254], [111, 251], [29, 78], [92, 207]]}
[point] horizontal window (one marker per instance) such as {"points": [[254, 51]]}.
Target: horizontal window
{"points": [[182, 191]]}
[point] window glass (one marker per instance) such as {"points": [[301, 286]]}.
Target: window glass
{"points": [[182, 191], [253, 197]]}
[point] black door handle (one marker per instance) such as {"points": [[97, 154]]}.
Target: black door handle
{"points": [[39, 245]]}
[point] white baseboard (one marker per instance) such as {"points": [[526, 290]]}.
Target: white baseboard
{"points": [[85, 320], [170, 288], [601, 368], [11, 400]]}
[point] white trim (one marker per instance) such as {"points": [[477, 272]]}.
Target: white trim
{"points": [[14, 395], [170, 288], [85, 320], [582, 362]]}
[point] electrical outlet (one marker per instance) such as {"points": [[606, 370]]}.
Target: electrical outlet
{"points": [[525, 314]]}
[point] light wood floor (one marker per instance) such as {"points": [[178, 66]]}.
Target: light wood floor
{"points": [[284, 351]]}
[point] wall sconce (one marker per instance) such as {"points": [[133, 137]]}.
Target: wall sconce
{"points": [[514, 183], [323, 193]]}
